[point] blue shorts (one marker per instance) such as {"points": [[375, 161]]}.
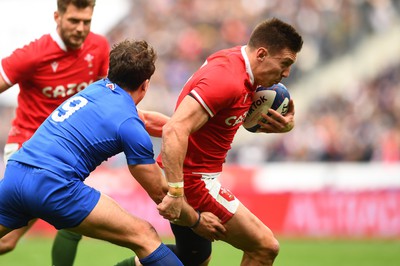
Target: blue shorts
{"points": [[28, 192]]}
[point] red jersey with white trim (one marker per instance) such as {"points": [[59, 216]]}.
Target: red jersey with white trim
{"points": [[47, 74], [223, 86]]}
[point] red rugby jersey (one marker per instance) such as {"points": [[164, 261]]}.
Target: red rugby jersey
{"points": [[223, 86], [47, 74]]}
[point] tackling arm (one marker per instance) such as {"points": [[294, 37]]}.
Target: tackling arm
{"points": [[150, 177], [153, 121]]}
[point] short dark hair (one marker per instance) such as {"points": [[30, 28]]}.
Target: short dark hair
{"points": [[63, 4], [131, 63], [275, 35]]}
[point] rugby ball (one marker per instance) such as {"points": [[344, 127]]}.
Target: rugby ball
{"points": [[275, 97]]}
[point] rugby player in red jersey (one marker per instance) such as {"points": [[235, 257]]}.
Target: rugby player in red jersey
{"points": [[48, 71], [210, 109]]}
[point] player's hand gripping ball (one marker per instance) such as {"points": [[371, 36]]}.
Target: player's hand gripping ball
{"points": [[275, 97]]}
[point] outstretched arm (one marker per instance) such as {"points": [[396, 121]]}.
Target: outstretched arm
{"points": [[153, 121]]}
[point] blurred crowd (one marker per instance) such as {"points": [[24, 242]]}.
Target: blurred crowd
{"points": [[359, 125], [185, 32]]}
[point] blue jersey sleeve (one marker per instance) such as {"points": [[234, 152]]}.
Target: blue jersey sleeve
{"points": [[136, 142]]}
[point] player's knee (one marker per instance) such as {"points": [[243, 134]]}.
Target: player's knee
{"points": [[138, 235], [273, 248], [6, 246], [269, 248], [143, 234], [266, 250], [146, 229]]}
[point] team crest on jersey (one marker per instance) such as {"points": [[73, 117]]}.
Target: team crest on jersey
{"points": [[89, 58], [111, 86], [54, 66]]}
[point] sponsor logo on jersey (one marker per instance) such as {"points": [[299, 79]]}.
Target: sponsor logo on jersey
{"points": [[54, 66], [62, 91], [235, 120]]}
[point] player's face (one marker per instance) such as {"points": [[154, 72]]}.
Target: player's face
{"points": [[73, 26], [274, 67]]}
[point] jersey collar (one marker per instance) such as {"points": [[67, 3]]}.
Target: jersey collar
{"points": [[247, 63], [116, 88], [54, 35]]}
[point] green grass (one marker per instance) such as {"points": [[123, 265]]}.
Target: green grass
{"points": [[34, 251], [339, 252]]}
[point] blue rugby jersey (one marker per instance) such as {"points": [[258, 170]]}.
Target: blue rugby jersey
{"points": [[87, 129]]}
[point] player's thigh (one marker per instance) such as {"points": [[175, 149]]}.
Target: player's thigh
{"points": [[109, 221], [248, 233]]}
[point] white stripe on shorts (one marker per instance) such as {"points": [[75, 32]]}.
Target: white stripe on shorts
{"points": [[214, 187]]}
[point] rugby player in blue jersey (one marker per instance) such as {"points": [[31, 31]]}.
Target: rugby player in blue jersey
{"points": [[44, 179]]}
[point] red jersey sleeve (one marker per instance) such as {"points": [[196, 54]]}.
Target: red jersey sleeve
{"points": [[20, 64], [215, 86]]}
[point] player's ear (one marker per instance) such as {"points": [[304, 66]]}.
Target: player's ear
{"points": [[262, 53], [145, 85], [57, 17], [141, 91]]}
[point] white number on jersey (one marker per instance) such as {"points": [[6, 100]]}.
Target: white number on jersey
{"points": [[70, 106]]}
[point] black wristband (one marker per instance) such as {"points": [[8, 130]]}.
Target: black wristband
{"points": [[197, 222]]}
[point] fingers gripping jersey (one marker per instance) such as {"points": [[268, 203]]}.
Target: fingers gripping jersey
{"points": [[47, 74], [86, 130]]}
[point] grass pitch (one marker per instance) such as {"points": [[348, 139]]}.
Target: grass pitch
{"points": [[35, 251]]}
